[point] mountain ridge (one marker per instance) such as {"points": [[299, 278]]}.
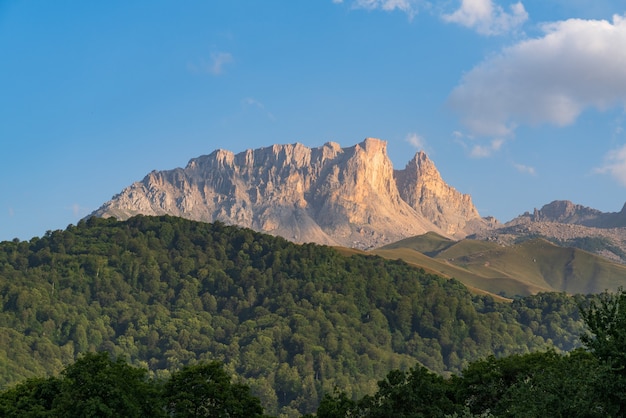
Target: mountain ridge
{"points": [[329, 195], [567, 212], [351, 197], [566, 224]]}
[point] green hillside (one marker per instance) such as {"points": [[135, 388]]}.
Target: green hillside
{"points": [[291, 321], [430, 243], [530, 267]]}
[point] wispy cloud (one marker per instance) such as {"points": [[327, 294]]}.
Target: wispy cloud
{"points": [[410, 7], [476, 148], [416, 140], [251, 102], [484, 16], [525, 169], [575, 65], [615, 165], [488, 18], [215, 65], [218, 61], [483, 151]]}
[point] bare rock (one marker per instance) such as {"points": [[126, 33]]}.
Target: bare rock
{"points": [[422, 187], [329, 195]]}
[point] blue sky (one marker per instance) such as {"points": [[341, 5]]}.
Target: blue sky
{"points": [[517, 103]]}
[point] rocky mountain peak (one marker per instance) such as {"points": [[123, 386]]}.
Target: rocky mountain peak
{"points": [[421, 186], [330, 195], [373, 146], [563, 221], [564, 211]]}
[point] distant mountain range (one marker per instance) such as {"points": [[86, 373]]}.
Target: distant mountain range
{"points": [[353, 197], [566, 224], [328, 195], [564, 211]]}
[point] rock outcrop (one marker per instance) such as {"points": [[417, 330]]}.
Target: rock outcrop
{"points": [[568, 224], [566, 212], [328, 195], [421, 186]]}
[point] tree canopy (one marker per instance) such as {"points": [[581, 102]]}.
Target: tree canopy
{"points": [[291, 321], [98, 386]]}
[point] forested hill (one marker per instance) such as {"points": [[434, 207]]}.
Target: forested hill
{"points": [[292, 321]]}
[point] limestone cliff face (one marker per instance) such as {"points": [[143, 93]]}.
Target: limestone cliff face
{"points": [[422, 187], [328, 195]]}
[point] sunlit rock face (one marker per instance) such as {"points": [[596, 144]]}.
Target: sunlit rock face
{"points": [[328, 195]]}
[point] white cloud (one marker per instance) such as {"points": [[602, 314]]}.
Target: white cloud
{"points": [[474, 150], [215, 66], [416, 140], [218, 61], [410, 7], [249, 101], [488, 18], [615, 165], [525, 169], [577, 64], [483, 151]]}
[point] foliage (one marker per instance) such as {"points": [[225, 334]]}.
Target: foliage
{"points": [[31, 398], [587, 382], [416, 393], [291, 321], [534, 384], [606, 319], [97, 386], [205, 390], [336, 405], [530, 385], [582, 383], [606, 339]]}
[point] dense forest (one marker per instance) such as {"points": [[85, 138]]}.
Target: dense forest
{"points": [[292, 322], [586, 383], [98, 386]]}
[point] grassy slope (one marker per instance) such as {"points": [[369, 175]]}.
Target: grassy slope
{"points": [[531, 267], [475, 283], [429, 243]]}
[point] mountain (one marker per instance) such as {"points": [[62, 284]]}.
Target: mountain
{"points": [[566, 224], [564, 211], [531, 266], [422, 187], [293, 322], [328, 195]]}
